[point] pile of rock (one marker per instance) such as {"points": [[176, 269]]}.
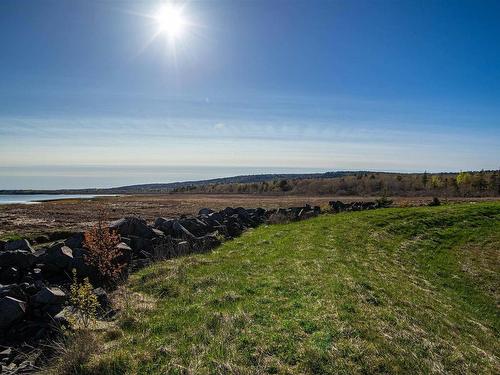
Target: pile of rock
{"points": [[296, 213], [33, 293], [338, 206], [34, 282]]}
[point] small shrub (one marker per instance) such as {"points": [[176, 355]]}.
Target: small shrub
{"points": [[101, 243], [435, 202], [84, 302]]}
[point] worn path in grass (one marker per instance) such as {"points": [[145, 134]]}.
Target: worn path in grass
{"points": [[411, 290]]}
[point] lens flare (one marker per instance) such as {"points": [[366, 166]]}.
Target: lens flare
{"points": [[171, 21]]}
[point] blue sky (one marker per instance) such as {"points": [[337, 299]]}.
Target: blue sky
{"points": [[88, 96]]}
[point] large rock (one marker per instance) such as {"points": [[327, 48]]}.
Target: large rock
{"points": [[58, 257], [21, 259], [183, 248], [13, 290], [11, 310], [164, 248], [75, 241], [233, 225], [157, 232], [9, 275], [49, 296], [179, 231], [195, 226], [164, 224], [18, 245], [65, 316], [140, 243], [6, 354], [124, 248], [205, 212], [242, 212], [132, 226], [216, 217]]}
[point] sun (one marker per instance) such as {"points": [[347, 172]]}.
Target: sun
{"points": [[171, 20]]}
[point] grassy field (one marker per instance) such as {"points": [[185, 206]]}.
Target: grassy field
{"points": [[408, 290]]}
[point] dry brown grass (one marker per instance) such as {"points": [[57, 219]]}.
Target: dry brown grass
{"points": [[72, 351], [75, 214]]}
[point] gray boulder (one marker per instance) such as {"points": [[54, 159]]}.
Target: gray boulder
{"points": [[205, 212], [11, 310], [6, 354], [157, 232], [163, 248], [183, 248], [140, 243], [21, 259], [180, 231], [18, 245], [65, 316], [49, 296], [196, 226], [228, 211], [217, 217], [124, 247], [9, 275], [13, 290], [132, 226], [164, 224], [59, 256], [75, 241]]}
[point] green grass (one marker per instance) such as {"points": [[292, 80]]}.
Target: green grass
{"points": [[411, 290], [10, 236]]}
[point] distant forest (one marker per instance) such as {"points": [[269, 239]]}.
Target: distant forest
{"points": [[339, 183], [463, 184]]}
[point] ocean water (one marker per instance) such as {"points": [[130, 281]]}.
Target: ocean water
{"points": [[36, 198], [89, 176]]}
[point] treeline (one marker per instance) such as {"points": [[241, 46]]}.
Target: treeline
{"points": [[463, 184]]}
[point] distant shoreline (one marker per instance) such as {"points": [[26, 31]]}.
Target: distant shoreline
{"points": [[42, 198]]}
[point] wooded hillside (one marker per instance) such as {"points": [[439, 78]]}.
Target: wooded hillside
{"points": [[463, 184]]}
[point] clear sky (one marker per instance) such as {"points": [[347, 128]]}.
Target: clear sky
{"points": [[97, 93]]}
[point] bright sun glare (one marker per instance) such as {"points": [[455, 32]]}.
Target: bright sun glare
{"points": [[171, 20]]}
